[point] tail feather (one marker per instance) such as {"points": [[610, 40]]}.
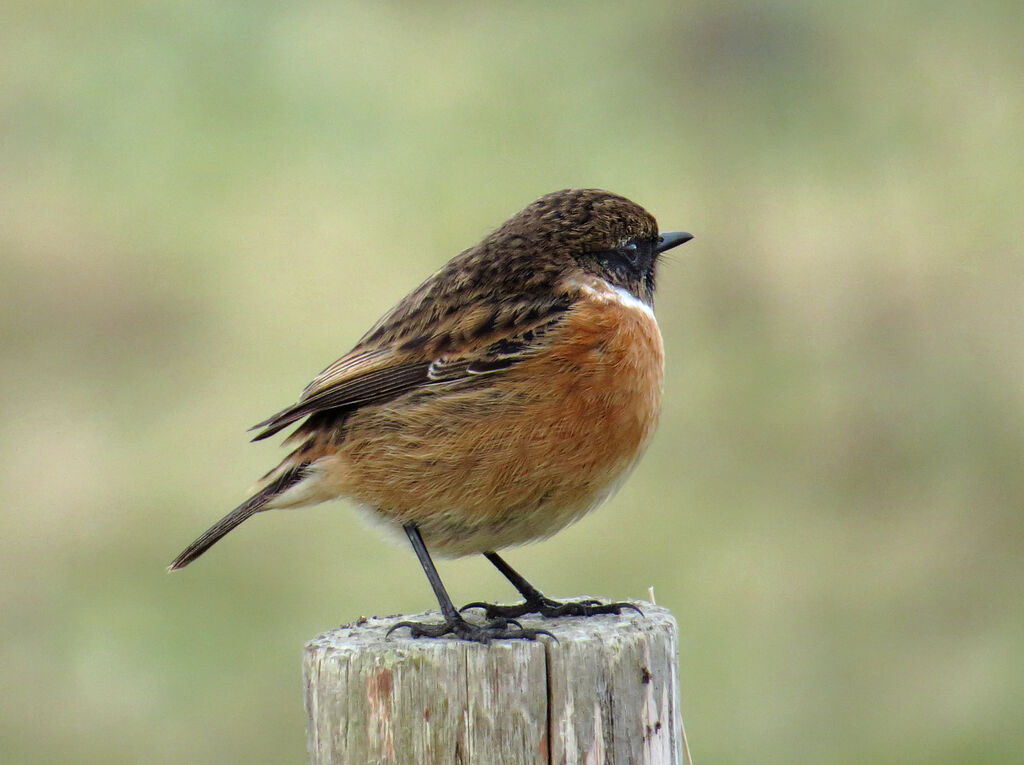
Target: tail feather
{"points": [[248, 508]]}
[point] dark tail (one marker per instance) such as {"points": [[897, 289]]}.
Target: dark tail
{"points": [[248, 508]]}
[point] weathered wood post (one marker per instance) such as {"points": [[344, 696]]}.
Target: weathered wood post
{"points": [[606, 692]]}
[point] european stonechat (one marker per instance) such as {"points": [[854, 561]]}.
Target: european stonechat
{"points": [[509, 394]]}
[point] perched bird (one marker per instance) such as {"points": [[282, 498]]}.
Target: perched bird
{"points": [[505, 397]]}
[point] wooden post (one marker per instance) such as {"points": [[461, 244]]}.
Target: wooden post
{"points": [[606, 692]]}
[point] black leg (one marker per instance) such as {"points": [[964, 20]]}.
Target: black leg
{"points": [[536, 603], [498, 628]]}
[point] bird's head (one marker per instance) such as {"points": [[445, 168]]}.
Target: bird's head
{"points": [[585, 232]]}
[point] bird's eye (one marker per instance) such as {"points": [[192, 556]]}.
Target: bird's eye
{"points": [[628, 257]]}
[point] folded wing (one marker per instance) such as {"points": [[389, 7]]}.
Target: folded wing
{"points": [[372, 375]]}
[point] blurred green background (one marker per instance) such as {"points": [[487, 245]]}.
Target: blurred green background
{"points": [[203, 204]]}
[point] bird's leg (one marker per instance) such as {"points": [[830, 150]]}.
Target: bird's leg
{"points": [[497, 628], [536, 603]]}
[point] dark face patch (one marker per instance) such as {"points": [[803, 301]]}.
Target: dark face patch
{"points": [[629, 266]]}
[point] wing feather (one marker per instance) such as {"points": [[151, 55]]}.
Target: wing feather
{"points": [[366, 376]]}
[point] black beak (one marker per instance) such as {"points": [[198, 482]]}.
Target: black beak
{"points": [[672, 239]]}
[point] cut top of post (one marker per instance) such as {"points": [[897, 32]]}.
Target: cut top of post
{"points": [[605, 691]]}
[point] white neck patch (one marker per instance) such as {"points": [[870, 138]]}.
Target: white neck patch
{"points": [[626, 298], [603, 291]]}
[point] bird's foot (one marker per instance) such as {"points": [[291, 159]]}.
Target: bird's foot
{"points": [[550, 608], [499, 628]]}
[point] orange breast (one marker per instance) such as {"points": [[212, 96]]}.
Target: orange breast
{"points": [[522, 456]]}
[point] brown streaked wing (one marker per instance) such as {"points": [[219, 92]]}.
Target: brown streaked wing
{"points": [[372, 376], [354, 363]]}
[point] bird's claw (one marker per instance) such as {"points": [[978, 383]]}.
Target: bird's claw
{"points": [[499, 628], [550, 609]]}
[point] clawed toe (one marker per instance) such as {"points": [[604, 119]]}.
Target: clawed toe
{"points": [[553, 608], [619, 606], [550, 609], [495, 629]]}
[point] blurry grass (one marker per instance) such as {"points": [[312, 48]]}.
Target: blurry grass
{"points": [[202, 206]]}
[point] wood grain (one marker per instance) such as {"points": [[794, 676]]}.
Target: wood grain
{"points": [[605, 692]]}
